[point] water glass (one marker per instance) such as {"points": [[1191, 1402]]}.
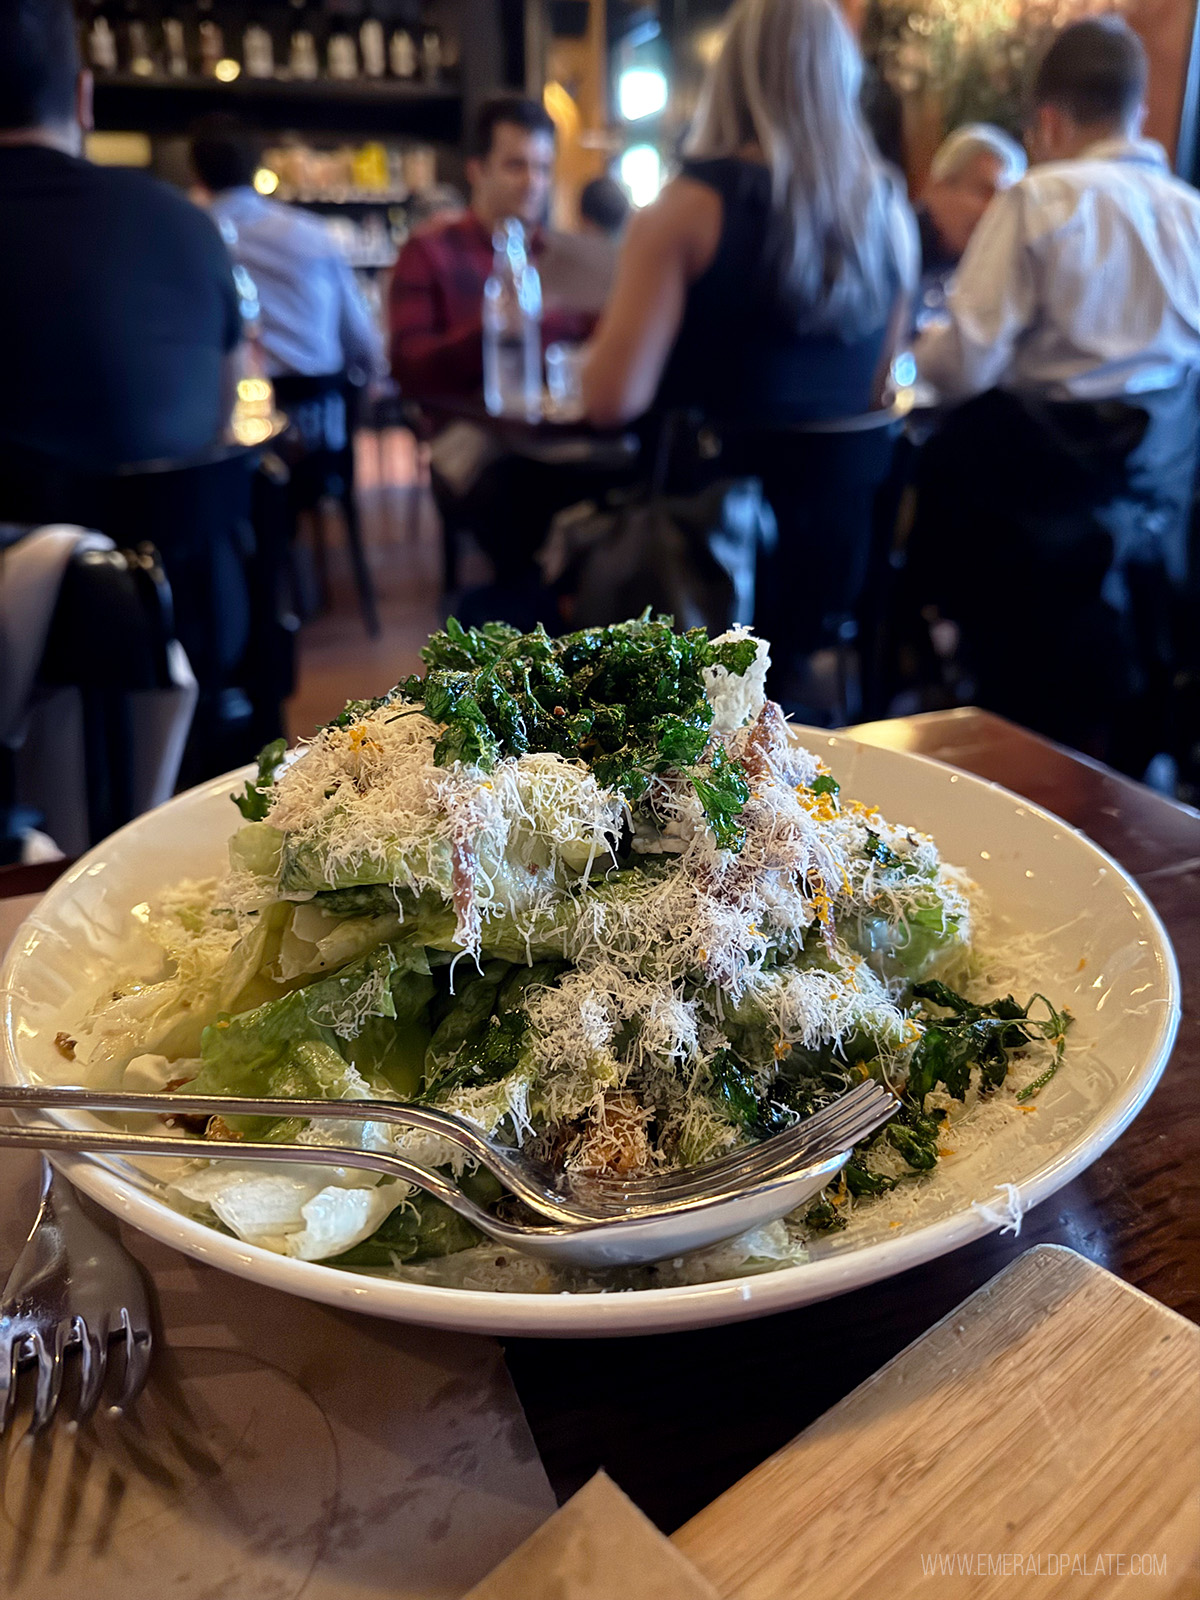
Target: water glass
{"points": [[564, 366]]}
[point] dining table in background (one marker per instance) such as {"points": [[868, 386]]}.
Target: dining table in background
{"points": [[676, 1419]]}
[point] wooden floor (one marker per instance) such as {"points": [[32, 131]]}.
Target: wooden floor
{"points": [[338, 661]]}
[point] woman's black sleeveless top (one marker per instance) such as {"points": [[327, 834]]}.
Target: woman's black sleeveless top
{"points": [[737, 356]]}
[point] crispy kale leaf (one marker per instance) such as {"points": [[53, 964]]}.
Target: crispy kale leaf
{"points": [[628, 699], [978, 1036], [255, 800], [877, 851], [723, 792], [481, 1033]]}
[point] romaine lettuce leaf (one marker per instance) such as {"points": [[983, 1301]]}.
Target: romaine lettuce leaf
{"points": [[423, 1228], [922, 943], [307, 1044], [297, 1212]]}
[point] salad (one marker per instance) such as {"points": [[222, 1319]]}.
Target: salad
{"points": [[589, 892]]}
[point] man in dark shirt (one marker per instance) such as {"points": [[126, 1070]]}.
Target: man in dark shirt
{"points": [[119, 318]]}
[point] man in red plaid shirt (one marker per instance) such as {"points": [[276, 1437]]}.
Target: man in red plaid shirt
{"points": [[436, 299], [505, 496]]}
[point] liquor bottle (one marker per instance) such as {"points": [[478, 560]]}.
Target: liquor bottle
{"points": [[512, 328], [138, 55], [302, 46], [402, 55], [372, 42], [341, 53], [258, 50], [431, 55], [101, 40], [175, 44], [212, 39]]}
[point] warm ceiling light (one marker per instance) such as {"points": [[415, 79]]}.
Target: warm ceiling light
{"points": [[562, 109], [266, 181], [227, 69], [707, 44]]}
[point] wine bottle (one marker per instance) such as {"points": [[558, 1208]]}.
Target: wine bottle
{"points": [[175, 44], [431, 55], [372, 43], [258, 50], [138, 56], [341, 55], [101, 40], [302, 46], [212, 39], [402, 55]]}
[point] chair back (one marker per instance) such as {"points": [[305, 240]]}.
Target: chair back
{"points": [[90, 743], [320, 412], [828, 482], [197, 514]]}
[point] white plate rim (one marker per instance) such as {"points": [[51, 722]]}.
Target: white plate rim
{"points": [[626, 1313]]}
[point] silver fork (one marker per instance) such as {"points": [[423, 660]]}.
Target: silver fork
{"points": [[564, 1196], [71, 1285], [612, 1235]]}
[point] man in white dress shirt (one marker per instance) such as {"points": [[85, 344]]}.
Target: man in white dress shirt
{"points": [[1055, 497]]}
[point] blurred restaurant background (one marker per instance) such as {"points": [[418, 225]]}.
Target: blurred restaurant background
{"points": [[304, 562], [364, 102]]}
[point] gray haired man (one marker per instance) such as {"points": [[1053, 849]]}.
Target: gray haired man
{"points": [[974, 164]]}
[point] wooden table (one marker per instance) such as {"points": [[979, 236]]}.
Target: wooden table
{"points": [[678, 1418]]}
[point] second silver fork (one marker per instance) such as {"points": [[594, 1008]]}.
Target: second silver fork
{"points": [[72, 1286]]}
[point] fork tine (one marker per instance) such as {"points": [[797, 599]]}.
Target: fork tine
{"points": [[839, 1134], [768, 1166], [50, 1375], [8, 1379], [817, 1129], [137, 1362], [94, 1358], [841, 1123]]}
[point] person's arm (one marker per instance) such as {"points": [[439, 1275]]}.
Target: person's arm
{"points": [[234, 351], [663, 250], [906, 252], [233, 369], [426, 359], [990, 303], [361, 340]]}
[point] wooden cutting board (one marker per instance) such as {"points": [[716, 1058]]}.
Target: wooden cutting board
{"points": [[1042, 1439], [598, 1546]]}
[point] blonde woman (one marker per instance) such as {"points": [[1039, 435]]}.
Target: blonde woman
{"points": [[768, 279]]}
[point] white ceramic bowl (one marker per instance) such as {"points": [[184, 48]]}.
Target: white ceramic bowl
{"points": [[1101, 951]]}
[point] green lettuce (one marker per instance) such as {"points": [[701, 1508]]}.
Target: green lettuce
{"points": [[912, 947], [321, 1042], [423, 1228]]}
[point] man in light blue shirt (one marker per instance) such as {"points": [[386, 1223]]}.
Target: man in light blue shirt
{"points": [[314, 321]]}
